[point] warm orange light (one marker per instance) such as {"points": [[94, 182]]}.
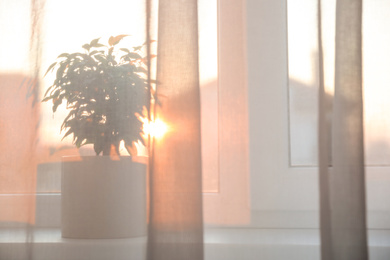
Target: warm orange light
{"points": [[155, 129]]}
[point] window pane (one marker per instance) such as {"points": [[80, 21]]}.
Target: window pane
{"points": [[303, 78], [208, 66]]}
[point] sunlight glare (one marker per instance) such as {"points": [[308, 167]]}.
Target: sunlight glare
{"points": [[156, 129]]}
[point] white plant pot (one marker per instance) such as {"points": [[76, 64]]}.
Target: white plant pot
{"points": [[103, 198]]}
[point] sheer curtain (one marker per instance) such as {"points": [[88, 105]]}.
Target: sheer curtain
{"points": [[176, 219], [342, 186], [29, 202]]}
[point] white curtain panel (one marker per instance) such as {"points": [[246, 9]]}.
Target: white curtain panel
{"points": [[342, 185]]}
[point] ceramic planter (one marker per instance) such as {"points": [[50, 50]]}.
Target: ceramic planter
{"points": [[103, 198]]}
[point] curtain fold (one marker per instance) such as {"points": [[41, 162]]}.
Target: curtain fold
{"points": [[342, 186], [175, 222], [323, 148]]}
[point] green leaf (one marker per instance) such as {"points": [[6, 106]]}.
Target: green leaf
{"points": [[100, 58], [87, 141], [75, 55], [98, 45], [141, 139], [124, 50], [47, 98], [93, 52], [151, 41], [134, 55], [67, 133], [111, 40], [63, 55], [48, 89], [98, 146], [79, 141], [72, 112], [86, 46], [115, 40], [61, 70], [110, 50], [56, 104], [141, 69], [56, 93], [131, 148], [50, 68], [94, 42]]}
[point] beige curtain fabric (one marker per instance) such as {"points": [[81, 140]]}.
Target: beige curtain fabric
{"points": [[324, 149], [175, 225], [19, 141], [342, 187]]}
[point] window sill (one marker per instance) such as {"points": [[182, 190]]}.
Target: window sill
{"points": [[220, 243]]}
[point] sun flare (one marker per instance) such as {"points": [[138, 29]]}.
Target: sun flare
{"points": [[156, 129]]}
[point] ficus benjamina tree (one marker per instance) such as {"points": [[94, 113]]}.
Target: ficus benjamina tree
{"points": [[105, 89]]}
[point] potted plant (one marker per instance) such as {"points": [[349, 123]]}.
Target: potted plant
{"points": [[106, 92]]}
